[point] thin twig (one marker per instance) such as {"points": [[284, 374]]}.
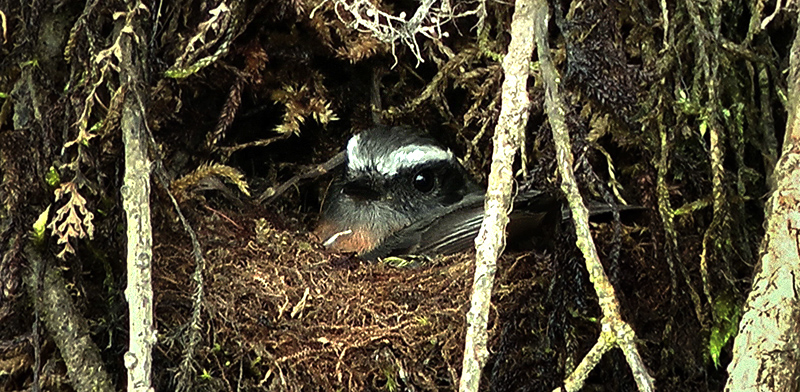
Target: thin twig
{"points": [[375, 96], [272, 193], [616, 331], [186, 371], [184, 379], [257, 143]]}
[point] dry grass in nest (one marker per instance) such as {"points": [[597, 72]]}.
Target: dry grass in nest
{"points": [[286, 316]]}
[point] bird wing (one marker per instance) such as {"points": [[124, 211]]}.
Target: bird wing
{"points": [[534, 218], [455, 228]]}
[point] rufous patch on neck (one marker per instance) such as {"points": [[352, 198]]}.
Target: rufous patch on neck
{"points": [[343, 239]]}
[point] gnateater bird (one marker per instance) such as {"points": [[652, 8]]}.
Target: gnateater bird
{"points": [[401, 192]]}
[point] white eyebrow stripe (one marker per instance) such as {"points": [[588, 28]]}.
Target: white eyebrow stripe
{"points": [[355, 161], [404, 157], [352, 150], [410, 156]]}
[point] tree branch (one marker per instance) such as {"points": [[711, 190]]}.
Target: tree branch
{"points": [[765, 351], [491, 238], [616, 331], [67, 326], [136, 202]]}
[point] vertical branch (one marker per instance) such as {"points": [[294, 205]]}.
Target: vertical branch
{"points": [[765, 350], [136, 202], [709, 63], [491, 238], [767, 124], [616, 332]]}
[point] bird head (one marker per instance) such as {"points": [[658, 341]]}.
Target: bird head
{"points": [[393, 177]]}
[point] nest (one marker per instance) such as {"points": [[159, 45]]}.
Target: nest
{"points": [[288, 316]]}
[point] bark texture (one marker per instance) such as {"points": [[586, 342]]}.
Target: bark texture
{"points": [[765, 352], [136, 202], [492, 236], [615, 331], [68, 327]]}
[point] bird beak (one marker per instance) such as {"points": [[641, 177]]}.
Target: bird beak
{"points": [[361, 189]]}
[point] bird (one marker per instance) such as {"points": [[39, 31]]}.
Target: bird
{"points": [[401, 192]]}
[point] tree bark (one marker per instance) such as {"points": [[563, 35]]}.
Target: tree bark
{"points": [[136, 202], [492, 236], [67, 326], [615, 331], [765, 353]]}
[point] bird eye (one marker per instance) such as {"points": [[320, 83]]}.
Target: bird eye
{"points": [[424, 180]]}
